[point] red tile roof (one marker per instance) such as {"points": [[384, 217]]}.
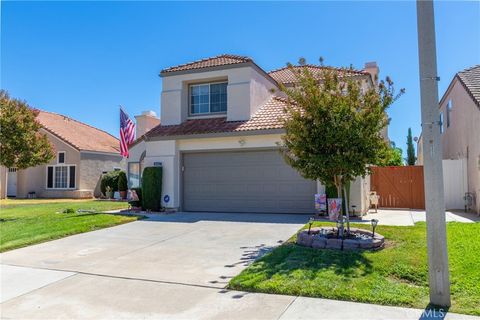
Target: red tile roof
{"points": [[80, 135], [470, 79], [286, 75], [269, 116], [221, 60]]}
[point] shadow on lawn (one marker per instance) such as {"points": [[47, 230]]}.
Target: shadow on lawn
{"points": [[290, 258]]}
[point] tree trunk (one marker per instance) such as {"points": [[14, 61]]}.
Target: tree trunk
{"points": [[346, 207], [338, 184]]}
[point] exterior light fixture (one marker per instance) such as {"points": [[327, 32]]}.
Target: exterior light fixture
{"points": [[310, 222], [374, 225]]}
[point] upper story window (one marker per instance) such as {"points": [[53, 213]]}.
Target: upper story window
{"points": [[61, 157], [449, 110], [208, 98]]}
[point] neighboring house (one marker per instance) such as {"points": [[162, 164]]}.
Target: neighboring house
{"points": [[218, 140], [82, 154], [460, 127]]}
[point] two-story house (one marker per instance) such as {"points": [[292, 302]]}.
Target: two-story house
{"points": [[460, 129], [219, 136]]}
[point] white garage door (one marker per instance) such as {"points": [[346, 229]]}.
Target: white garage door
{"points": [[244, 181]]}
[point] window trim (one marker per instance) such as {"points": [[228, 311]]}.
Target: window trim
{"points": [[209, 113], [64, 157], [53, 176]]}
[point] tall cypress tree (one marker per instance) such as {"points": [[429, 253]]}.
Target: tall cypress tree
{"points": [[410, 149]]}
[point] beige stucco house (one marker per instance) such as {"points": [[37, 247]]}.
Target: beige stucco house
{"points": [[460, 126], [82, 154], [219, 137]]}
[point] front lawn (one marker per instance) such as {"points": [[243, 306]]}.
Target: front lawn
{"points": [[396, 275], [26, 222]]}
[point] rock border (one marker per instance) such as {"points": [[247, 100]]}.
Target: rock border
{"points": [[313, 240]]}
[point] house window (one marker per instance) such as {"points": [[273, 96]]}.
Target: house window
{"points": [[449, 110], [134, 174], [61, 177], [61, 157], [441, 122], [208, 98]]}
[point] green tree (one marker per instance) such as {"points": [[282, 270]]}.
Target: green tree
{"points": [[392, 156], [333, 127], [21, 142], [410, 149]]}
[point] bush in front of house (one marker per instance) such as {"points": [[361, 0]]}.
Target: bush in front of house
{"points": [[110, 179], [152, 188], [122, 181]]}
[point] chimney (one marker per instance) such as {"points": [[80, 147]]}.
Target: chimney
{"points": [[145, 122], [372, 68]]}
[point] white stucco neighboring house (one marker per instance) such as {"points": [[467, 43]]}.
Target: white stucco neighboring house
{"points": [[218, 140], [460, 128]]}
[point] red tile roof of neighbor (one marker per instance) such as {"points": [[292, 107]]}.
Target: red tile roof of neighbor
{"points": [[221, 60], [80, 135], [470, 79], [287, 76], [269, 116]]}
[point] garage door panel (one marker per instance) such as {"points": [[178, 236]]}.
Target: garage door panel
{"points": [[246, 181]]}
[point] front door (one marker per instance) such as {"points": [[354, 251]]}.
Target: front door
{"points": [[12, 182]]}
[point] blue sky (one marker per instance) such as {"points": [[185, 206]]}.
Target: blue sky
{"points": [[83, 59]]}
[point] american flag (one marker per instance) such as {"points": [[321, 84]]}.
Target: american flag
{"points": [[127, 133]]}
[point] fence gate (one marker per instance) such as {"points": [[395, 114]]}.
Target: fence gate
{"points": [[399, 187]]}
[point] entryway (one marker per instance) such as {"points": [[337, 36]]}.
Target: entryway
{"points": [[12, 182]]}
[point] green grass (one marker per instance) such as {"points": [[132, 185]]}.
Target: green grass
{"points": [[25, 223], [396, 275]]}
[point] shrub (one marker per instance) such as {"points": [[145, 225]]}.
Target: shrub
{"points": [[122, 181], [110, 179], [152, 188], [68, 210]]}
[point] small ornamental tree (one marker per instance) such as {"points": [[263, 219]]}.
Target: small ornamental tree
{"points": [[410, 149], [333, 126], [21, 142]]}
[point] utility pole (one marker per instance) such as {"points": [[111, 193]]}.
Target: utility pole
{"points": [[432, 154]]}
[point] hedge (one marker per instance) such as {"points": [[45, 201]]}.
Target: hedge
{"points": [[152, 188]]}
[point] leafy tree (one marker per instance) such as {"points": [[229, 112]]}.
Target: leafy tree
{"points": [[410, 149], [333, 127], [392, 156], [21, 142]]}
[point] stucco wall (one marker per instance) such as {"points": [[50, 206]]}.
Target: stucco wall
{"points": [[92, 165], [461, 140], [89, 167], [247, 90], [34, 179]]}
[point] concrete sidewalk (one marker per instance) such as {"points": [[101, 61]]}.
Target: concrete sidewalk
{"points": [[90, 296], [406, 217]]}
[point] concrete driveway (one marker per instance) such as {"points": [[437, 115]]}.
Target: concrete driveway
{"points": [[138, 269], [170, 267]]}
